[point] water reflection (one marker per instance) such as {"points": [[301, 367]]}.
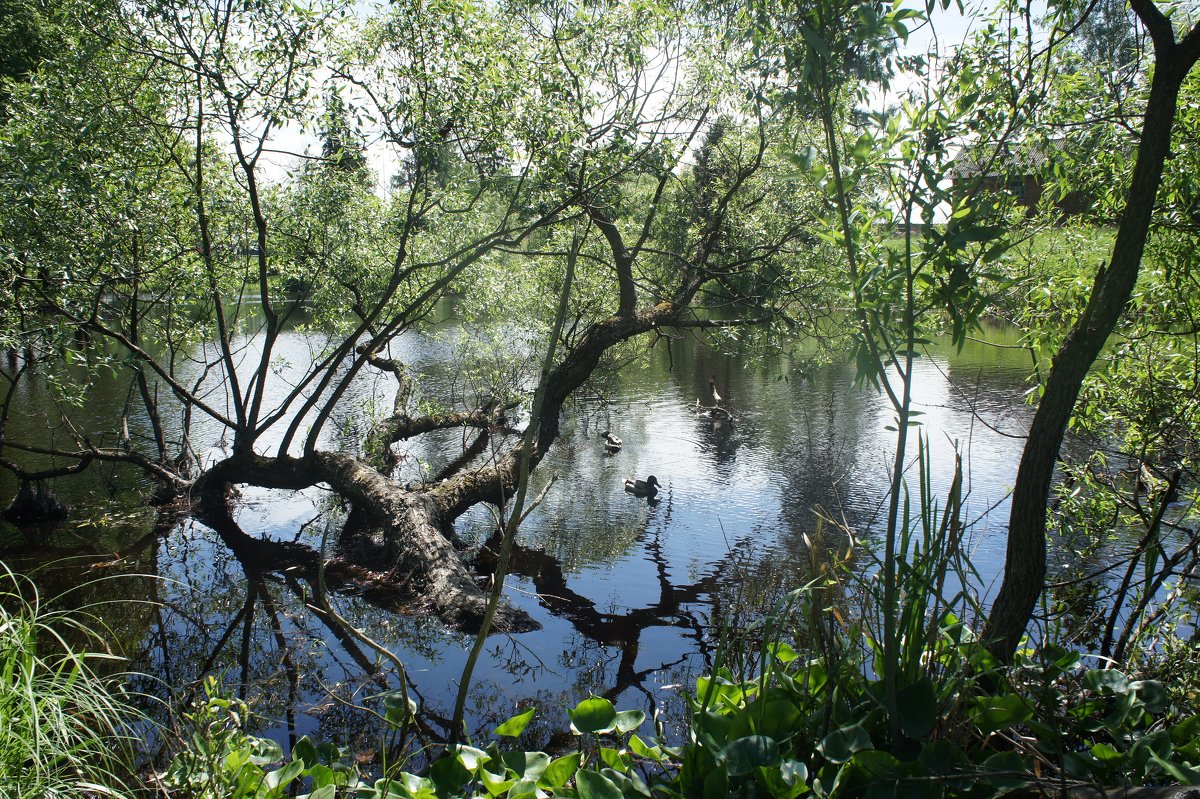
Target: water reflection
{"points": [[630, 593]]}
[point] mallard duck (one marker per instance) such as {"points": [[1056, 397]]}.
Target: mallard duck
{"points": [[611, 442], [642, 488]]}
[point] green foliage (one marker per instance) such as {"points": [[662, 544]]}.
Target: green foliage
{"points": [[66, 728], [803, 726], [25, 38], [218, 760]]}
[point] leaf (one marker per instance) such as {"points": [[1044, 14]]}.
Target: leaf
{"points": [[1186, 731], [1105, 681], [495, 784], [994, 713], [774, 715], [516, 725], [470, 757], [593, 715], [917, 707], [305, 751], [804, 159], [628, 720], [449, 775], [560, 771], [1185, 775], [264, 752], [841, 744], [522, 788], [596, 786], [283, 776], [398, 708], [1005, 770], [742, 755], [1151, 694], [324, 792], [782, 651], [527, 765], [641, 749]]}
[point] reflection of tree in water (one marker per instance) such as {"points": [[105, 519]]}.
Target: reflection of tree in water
{"points": [[273, 630], [619, 630], [273, 637], [93, 589], [822, 476]]}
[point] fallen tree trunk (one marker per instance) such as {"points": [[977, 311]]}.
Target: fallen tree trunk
{"points": [[411, 522]]}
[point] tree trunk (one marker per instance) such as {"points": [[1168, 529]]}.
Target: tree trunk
{"points": [[1025, 562], [35, 503], [411, 521]]}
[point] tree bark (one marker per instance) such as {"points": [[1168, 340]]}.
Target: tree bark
{"points": [[411, 521]]}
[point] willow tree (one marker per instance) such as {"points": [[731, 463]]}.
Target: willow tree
{"points": [[1176, 49], [524, 130]]}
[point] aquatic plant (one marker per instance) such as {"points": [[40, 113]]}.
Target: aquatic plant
{"points": [[65, 728]]}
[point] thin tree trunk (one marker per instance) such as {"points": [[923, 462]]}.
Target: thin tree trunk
{"points": [[1025, 563]]}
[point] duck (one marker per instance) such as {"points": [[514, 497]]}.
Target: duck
{"points": [[642, 488], [712, 384], [611, 443]]}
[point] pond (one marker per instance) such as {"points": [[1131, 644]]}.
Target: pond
{"points": [[631, 595]]}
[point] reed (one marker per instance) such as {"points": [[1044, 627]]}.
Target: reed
{"points": [[65, 730]]}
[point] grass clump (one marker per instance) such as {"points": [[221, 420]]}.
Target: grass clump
{"points": [[65, 728]]}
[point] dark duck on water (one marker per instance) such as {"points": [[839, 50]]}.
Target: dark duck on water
{"points": [[642, 488]]}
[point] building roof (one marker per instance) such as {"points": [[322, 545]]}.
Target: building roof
{"points": [[1015, 159]]}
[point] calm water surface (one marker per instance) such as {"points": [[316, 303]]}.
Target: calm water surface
{"points": [[630, 594]]}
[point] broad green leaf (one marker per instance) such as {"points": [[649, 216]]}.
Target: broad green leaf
{"points": [[593, 715], [305, 751], [283, 776], [516, 725], [595, 786], [527, 765], [470, 757], [628, 720], [743, 755], [786, 780], [1005, 770], [495, 784], [522, 788], [613, 759], [560, 771], [449, 775], [1183, 774], [917, 707], [1151, 694], [994, 713], [782, 651], [1104, 681], [841, 744], [324, 792], [642, 749]]}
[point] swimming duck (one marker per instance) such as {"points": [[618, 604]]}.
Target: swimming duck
{"points": [[611, 442], [643, 488]]}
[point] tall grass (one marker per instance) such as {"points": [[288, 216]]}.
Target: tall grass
{"points": [[64, 728]]}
